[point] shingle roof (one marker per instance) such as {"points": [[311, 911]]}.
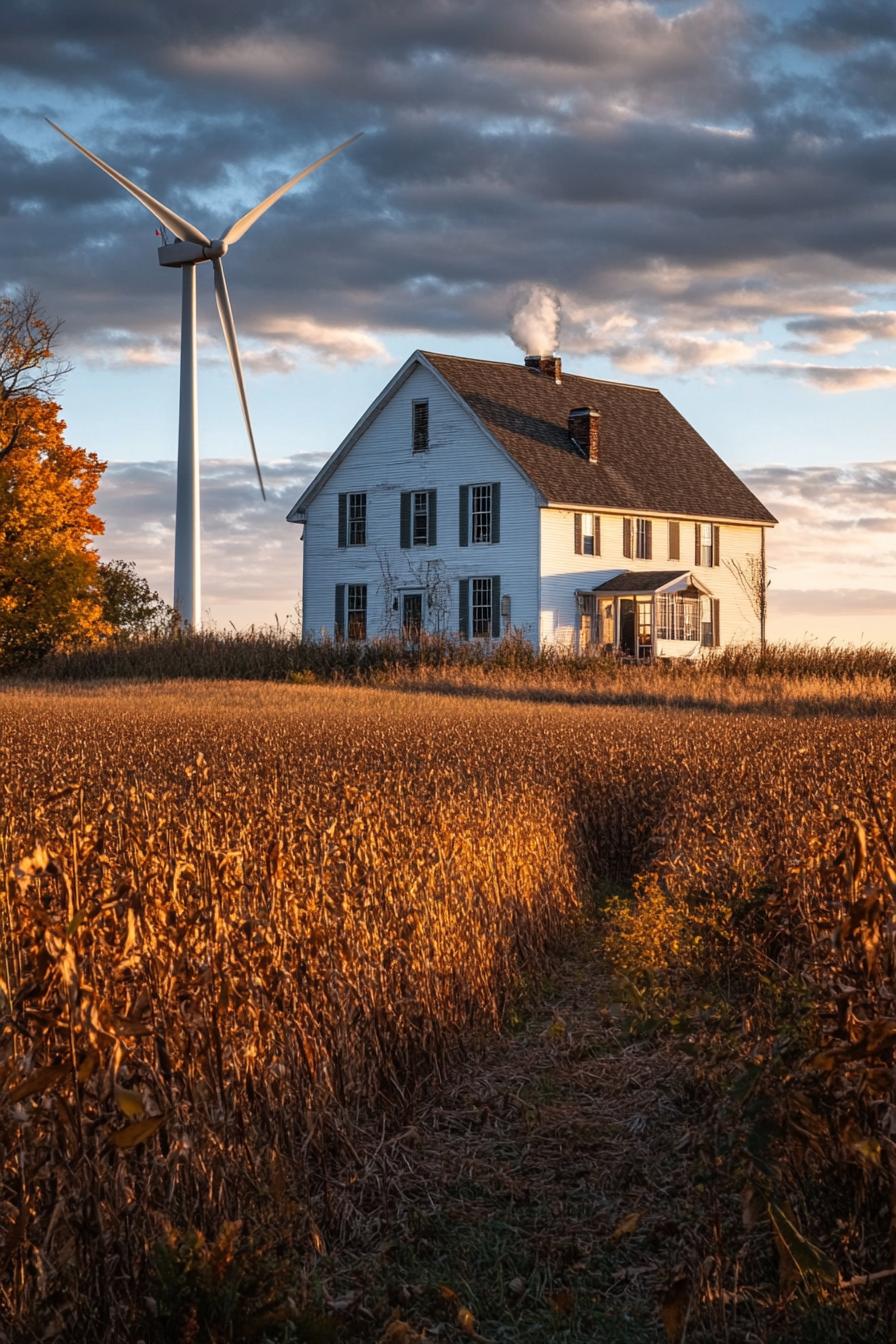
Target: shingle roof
{"points": [[651, 459], [641, 580]]}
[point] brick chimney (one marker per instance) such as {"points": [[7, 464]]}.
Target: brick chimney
{"points": [[549, 364], [584, 428]]}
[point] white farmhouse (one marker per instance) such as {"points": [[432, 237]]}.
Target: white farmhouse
{"points": [[474, 498]]}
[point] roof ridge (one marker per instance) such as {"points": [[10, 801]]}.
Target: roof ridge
{"points": [[506, 364]]}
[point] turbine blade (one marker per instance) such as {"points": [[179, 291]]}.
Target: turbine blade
{"points": [[181, 228], [245, 222], [225, 312]]}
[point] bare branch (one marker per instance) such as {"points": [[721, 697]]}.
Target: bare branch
{"points": [[29, 369]]}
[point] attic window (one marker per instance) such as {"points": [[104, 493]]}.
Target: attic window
{"points": [[420, 426]]}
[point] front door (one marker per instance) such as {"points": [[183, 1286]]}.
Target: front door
{"points": [[411, 616], [627, 631]]}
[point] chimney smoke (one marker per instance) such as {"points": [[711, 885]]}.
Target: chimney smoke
{"points": [[535, 321]]}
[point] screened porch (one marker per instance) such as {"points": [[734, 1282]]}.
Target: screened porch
{"points": [[646, 615]]}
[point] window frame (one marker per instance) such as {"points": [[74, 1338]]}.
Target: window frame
{"points": [[356, 613], [707, 547], [423, 514], [479, 607], [481, 513], [643, 539], [351, 523]]}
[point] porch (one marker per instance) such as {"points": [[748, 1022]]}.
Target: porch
{"points": [[649, 614]]}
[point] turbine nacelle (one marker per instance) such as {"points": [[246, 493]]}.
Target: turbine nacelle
{"points": [[190, 254]]}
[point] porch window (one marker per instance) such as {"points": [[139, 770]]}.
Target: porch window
{"points": [[678, 617], [645, 627], [587, 604]]}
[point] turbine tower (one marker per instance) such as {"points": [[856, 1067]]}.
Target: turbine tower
{"points": [[189, 251]]}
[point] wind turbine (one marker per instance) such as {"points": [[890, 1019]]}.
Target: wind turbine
{"points": [[191, 249]]}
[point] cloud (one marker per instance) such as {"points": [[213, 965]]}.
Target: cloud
{"points": [[631, 157], [832, 557], [251, 557], [329, 343], [833, 377], [838, 334]]}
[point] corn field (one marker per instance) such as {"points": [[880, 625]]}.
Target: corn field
{"points": [[241, 922]]}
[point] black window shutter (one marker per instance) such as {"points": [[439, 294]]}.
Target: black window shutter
{"points": [[716, 534], [463, 620], [577, 532], [648, 539], [716, 631], [627, 538], [696, 543], [496, 606], [405, 519], [339, 618], [597, 534], [496, 511], [674, 541], [343, 513], [464, 516], [432, 517]]}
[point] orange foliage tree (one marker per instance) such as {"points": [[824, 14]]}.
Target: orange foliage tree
{"points": [[50, 583]]}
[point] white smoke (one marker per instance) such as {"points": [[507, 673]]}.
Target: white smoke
{"points": [[535, 321]]}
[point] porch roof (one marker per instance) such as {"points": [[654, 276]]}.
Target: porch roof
{"points": [[634, 582]]}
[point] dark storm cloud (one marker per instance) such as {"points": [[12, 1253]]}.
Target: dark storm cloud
{"points": [[669, 172], [838, 24]]}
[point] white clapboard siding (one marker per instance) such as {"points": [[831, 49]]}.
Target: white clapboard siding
{"points": [[563, 572], [382, 464]]}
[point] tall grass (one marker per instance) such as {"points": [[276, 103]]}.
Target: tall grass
{"points": [[789, 679]]}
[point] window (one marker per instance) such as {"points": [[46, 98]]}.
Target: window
{"points": [[481, 516], [705, 544], [481, 607], [420, 423], [417, 518], [420, 518], [645, 627], [643, 539], [674, 540], [357, 611], [586, 533], [357, 520], [677, 617], [352, 519]]}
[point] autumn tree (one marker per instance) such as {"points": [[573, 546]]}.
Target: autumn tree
{"points": [[50, 592]]}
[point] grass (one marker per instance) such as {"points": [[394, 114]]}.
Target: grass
{"points": [[255, 943]]}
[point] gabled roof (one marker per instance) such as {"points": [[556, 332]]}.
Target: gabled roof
{"points": [[635, 581], [651, 459]]}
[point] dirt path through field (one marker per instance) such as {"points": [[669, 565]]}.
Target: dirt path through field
{"points": [[546, 1194]]}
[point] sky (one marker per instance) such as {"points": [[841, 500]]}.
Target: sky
{"points": [[706, 191]]}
